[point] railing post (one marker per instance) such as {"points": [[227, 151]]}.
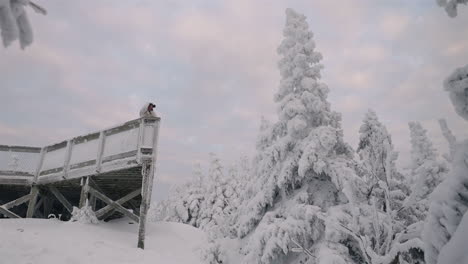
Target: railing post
{"points": [[102, 139], [141, 131], [39, 164], [66, 163]]}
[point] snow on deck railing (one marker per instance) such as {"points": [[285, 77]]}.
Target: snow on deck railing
{"points": [[118, 147]]}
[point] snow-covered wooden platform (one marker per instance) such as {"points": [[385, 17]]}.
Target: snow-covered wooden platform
{"points": [[106, 169], [118, 148]]}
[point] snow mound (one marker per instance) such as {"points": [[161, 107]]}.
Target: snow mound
{"points": [[42, 241]]}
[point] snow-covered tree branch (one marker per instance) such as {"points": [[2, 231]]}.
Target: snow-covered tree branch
{"points": [[14, 21]]}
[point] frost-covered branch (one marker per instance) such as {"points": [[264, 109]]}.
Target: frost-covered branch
{"points": [[14, 21], [451, 6], [451, 139]]}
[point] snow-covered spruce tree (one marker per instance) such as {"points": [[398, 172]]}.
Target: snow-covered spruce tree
{"points": [[426, 172], [378, 157], [302, 167], [216, 207], [386, 233], [449, 202], [185, 202]]}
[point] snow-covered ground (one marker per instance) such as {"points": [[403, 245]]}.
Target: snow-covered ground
{"points": [[40, 241]]}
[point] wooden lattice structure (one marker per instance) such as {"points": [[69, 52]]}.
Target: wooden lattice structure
{"points": [[110, 170]]}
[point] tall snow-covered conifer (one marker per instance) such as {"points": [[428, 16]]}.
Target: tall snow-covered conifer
{"points": [[302, 167], [449, 203]]}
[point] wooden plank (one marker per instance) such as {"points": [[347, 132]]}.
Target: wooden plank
{"points": [[57, 146], [125, 127], [120, 156], [100, 152], [17, 202], [86, 138], [32, 202], [8, 213], [18, 181], [61, 198], [120, 201], [82, 164], [16, 173], [116, 206], [20, 149]]}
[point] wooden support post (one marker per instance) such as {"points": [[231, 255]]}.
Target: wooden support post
{"points": [[148, 171], [116, 206], [84, 191], [144, 204], [121, 201], [61, 198], [32, 202]]}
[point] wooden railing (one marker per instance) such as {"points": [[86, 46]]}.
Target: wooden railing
{"points": [[122, 146]]}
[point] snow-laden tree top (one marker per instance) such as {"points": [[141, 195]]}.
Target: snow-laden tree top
{"points": [[457, 86], [301, 97], [14, 21], [451, 6], [422, 149]]}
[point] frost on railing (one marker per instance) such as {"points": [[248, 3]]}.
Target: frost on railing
{"points": [[114, 148], [18, 160]]}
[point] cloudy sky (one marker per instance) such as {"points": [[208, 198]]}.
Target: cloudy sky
{"points": [[210, 66]]}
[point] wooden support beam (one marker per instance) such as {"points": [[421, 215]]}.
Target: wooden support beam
{"points": [[84, 191], [92, 202], [39, 214], [93, 184], [8, 213], [17, 202], [134, 207], [47, 208], [117, 206], [39, 203], [32, 202], [120, 201], [61, 198]]}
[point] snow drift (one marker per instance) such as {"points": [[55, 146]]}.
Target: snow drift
{"points": [[42, 241]]}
